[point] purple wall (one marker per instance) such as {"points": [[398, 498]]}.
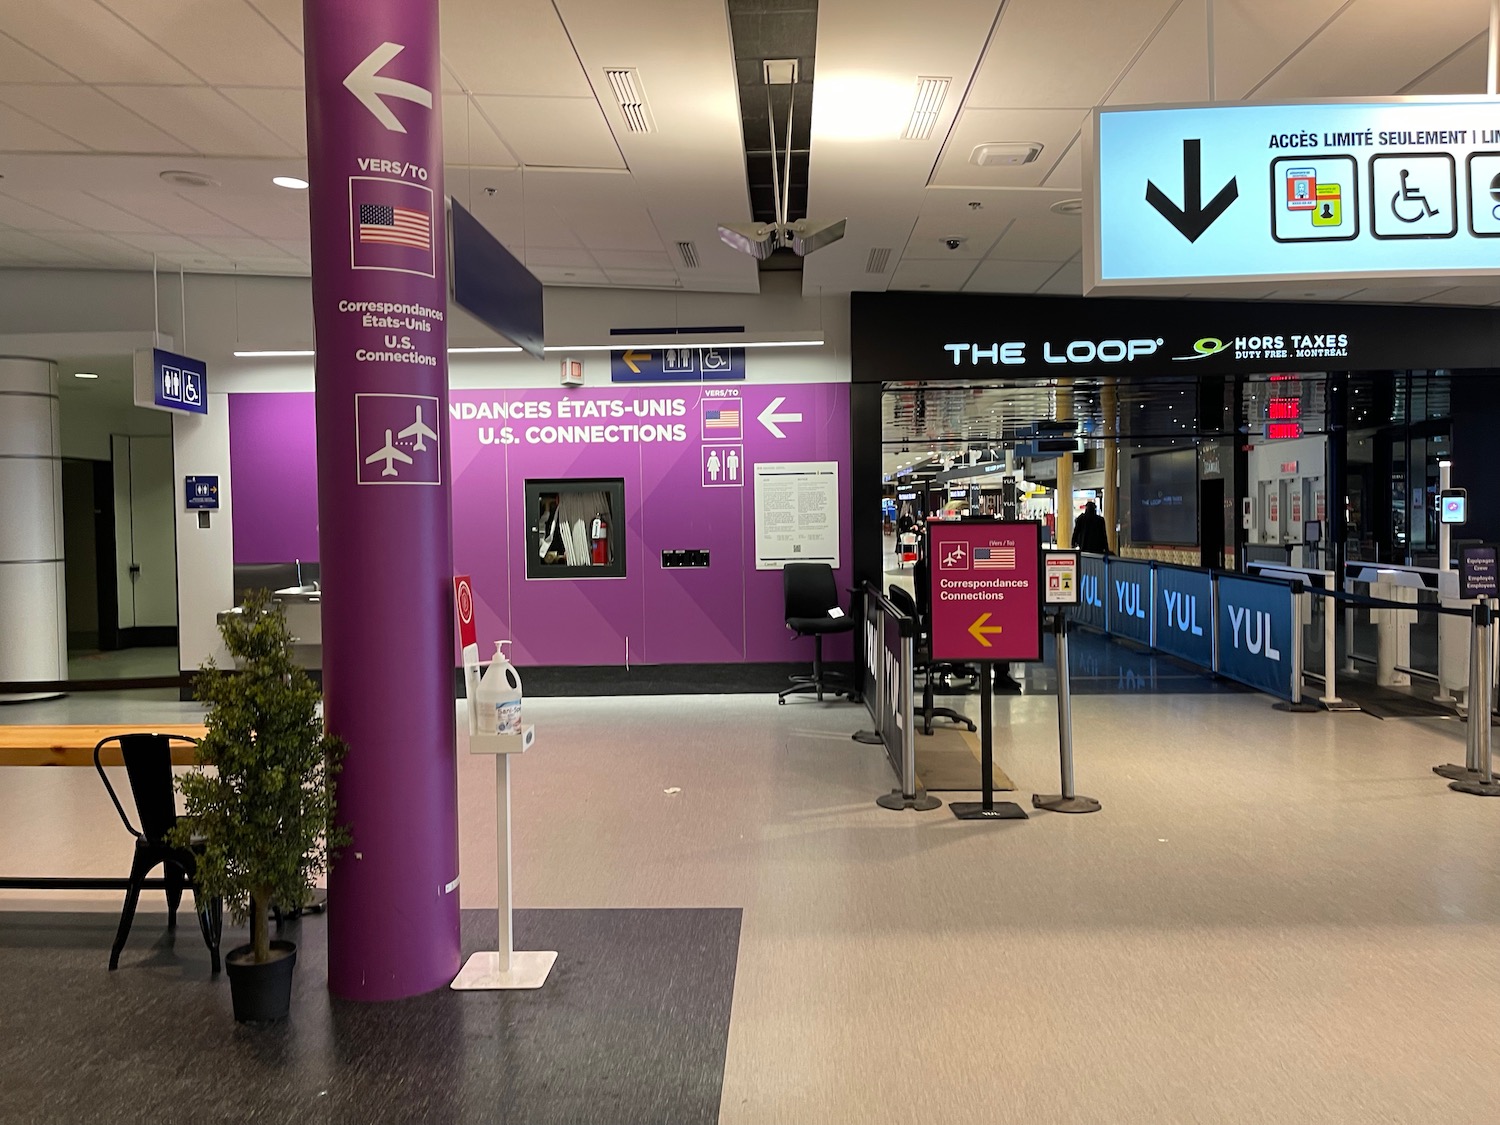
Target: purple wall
{"points": [[726, 613]]}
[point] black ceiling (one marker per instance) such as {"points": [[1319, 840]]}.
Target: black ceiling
{"points": [[774, 29]]}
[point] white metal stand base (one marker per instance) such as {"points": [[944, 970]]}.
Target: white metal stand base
{"points": [[487, 970]]}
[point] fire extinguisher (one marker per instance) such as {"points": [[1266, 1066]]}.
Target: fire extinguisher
{"points": [[599, 548]]}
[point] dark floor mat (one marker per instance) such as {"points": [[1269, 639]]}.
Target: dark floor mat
{"points": [[1388, 703]]}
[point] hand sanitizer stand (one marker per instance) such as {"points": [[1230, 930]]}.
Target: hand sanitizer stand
{"points": [[503, 967]]}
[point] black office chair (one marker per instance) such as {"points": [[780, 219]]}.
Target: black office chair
{"points": [[923, 658], [809, 592], [148, 764]]}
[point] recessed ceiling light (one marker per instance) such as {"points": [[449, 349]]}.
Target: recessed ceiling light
{"points": [[188, 179], [1067, 207], [84, 375], [289, 182]]}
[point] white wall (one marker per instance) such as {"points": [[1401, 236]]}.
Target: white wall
{"points": [[86, 430], [205, 556], [1265, 461]]}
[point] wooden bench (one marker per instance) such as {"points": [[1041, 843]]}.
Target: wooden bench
{"points": [[74, 746]]}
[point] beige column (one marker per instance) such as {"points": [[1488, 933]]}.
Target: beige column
{"points": [[33, 612]]}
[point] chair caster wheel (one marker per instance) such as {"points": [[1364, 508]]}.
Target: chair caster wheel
{"points": [[781, 702]]}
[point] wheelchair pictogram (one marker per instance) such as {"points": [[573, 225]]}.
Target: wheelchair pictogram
{"points": [[1407, 196]]}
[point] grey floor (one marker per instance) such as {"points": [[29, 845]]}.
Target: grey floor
{"points": [[1276, 917]]}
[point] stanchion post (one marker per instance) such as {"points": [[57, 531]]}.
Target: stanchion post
{"points": [[908, 796], [874, 655], [1469, 771], [1482, 784], [1067, 801], [1299, 606]]}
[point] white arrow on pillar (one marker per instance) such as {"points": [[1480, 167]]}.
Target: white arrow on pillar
{"points": [[367, 84], [770, 419]]}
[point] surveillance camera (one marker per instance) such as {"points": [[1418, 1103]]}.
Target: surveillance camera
{"points": [[953, 243]]}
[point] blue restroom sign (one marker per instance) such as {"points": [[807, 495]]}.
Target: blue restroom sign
{"points": [[168, 381], [202, 493], [1255, 634], [1184, 614], [1128, 600]]}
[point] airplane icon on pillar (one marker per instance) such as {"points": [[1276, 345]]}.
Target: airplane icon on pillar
{"points": [[390, 455], [419, 430]]}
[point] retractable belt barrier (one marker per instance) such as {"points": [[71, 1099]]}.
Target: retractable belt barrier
{"points": [[886, 678]]}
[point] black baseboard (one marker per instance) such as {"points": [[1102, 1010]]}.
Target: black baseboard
{"points": [[147, 636], [542, 682], [659, 679]]}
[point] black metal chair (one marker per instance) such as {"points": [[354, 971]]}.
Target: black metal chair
{"points": [[924, 663], [148, 764], [808, 593]]}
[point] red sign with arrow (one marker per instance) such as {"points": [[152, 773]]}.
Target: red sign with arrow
{"points": [[986, 590]]}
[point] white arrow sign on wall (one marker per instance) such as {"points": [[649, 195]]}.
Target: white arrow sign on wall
{"points": [[771, 420], [367, 84]]}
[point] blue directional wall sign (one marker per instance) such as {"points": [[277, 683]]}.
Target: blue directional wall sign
{"points": [[1387, 188], [202, 493], [684, 363]]}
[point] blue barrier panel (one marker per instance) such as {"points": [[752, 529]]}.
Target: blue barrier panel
{"points": [[1128, 600], [1184, 614], [1255, 634], [1090, 608]]}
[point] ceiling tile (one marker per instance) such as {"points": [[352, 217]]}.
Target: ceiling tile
{"points": [[1252, 37], [237, 248], [1010, 277], [1066, 282], [613, 260], [1463, 72], [202, 119], [169, 210], [17, 245], [1174, 65], [19, 133], [261, 217], [1066, 173], [233, 46], [284, 15], [480, 41], [22, 64], [1062, 52], [23, 216], [101, 247], [604, 211], [468, 137], [944, 275], [89, 41], [1054, 129], [547, 256], [283, 112], [1374, 47], [90, 118], [1467, 295], [87, 211], [553, 132]]}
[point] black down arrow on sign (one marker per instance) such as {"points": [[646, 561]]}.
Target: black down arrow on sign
{"points": [[1192, 218]]}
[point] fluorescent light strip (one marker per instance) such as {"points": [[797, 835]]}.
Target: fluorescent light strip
{"points": [[580, 348]]}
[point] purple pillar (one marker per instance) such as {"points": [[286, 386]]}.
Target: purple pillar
{"points": [[379, 289]]}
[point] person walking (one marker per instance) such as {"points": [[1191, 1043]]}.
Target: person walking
{"points": [[1089, 532]]}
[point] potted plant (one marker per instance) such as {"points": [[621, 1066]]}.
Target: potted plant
{"points": [[262, 819]]}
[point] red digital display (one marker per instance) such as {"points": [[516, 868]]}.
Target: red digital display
{"points": [[1285, 408], [1282, 431]]}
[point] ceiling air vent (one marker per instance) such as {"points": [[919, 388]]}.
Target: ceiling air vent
{"points": [[625, 82], [931, 92], [689, 254], [879, 258]]}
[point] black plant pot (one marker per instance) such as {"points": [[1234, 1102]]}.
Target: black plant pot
{"points": [[261, 993]]}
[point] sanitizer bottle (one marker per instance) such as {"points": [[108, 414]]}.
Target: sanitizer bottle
{"points": [[499, 696]]}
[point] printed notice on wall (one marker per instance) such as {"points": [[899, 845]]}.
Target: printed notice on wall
{"points": [[796, 513]]}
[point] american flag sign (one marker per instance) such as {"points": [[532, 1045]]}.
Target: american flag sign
{"points": [[397, 226], [994, 558], [721, 419]]}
